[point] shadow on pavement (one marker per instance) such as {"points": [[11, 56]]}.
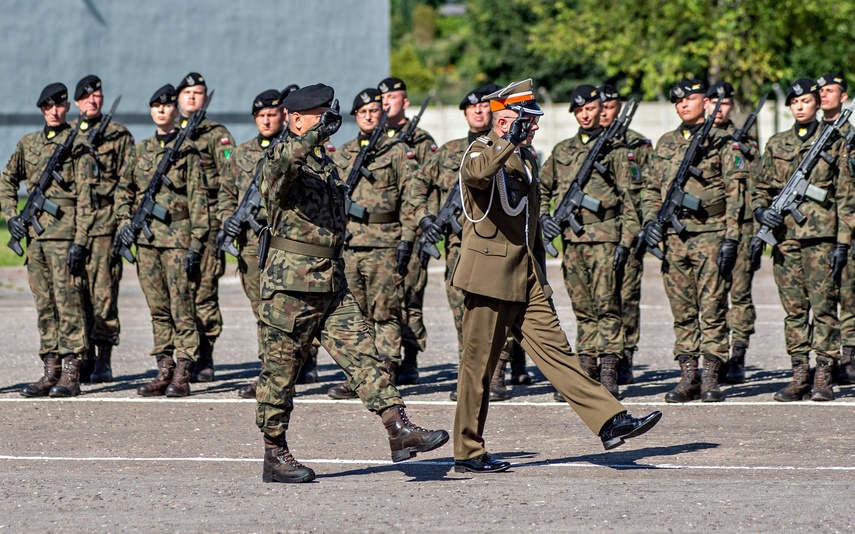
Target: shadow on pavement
{"points": [[624, 459]]}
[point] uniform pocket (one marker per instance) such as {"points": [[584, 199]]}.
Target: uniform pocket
{"points": [[486, 246], [280, 310]]}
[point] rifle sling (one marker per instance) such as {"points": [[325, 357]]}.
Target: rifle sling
{"points": [[600, 216], [306, 249], [178, 215]]}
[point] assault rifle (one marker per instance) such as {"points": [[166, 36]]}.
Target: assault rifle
{"points": [[37, 202], [250, 204], [797, 188], [568, 211], [96, 136], [407, 135], [359, 169], [148, 208], [677, 199], [446, 218], [740, 136]]}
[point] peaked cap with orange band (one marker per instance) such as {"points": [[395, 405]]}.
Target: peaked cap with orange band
{"points": [[518, 96]]}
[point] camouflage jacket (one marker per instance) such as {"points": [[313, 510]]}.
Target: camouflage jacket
{"points": [[617, 219], [243, 163], [78, 170], [436, 178], [829, 219], [752, 159], [384, 192], [184, 200], [636, 154], [420, 146], [304, 196], [215, 144], [114, 154], [719, 186]]}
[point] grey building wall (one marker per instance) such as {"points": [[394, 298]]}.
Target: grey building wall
{"points": [[240, 47]]}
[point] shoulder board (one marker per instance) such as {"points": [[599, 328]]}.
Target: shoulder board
{"points": [[485, 139]]}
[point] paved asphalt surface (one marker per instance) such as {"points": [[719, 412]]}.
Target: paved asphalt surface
{"points": [[110, 461]]}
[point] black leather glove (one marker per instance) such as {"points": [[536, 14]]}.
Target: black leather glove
{"points": [[331, 120], [232, 226], [653, 234], [769, 217], [17, 228], [431, 230], [76, 258], [403, 252], [518, 131], [191, 262], [220, 239], [126, 236], [838, 259], [551, 228], [726, 259], [621, 257]]}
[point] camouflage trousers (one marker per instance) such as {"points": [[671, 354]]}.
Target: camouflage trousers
{"points": [[102, 299], [847, 305], [697, 293], [378, 289], [809, 296], [741, 315], [455, 296], [209, 320], [414, 333], [594, 292], [250, 279], [290, 322], [59, 298], [169, 294], [630, 299]]}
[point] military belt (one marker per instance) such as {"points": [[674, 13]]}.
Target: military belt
{"points": [[705, 212], [64, 202], [178, 215], [306, 249], [382, 218], [600, 216]]}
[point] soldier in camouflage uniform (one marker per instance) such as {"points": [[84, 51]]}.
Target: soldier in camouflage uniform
{"points": [[304, 295], [809, 258], [114, 152], [168, 264], [637, 155], [215, 144], [832, 95], [699, 261], [420, 147], [55, 258], [595, 257], [380, 244]]}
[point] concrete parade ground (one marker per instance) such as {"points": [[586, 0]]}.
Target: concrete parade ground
{"points": [[111, 461]]}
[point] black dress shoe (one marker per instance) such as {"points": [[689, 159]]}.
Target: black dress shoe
{"points": [[480, 464], [624, 426]]}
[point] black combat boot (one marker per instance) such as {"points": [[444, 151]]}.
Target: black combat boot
{"points": [[624, 368], [203, 369], [519, 376], [589, 364], [408, 372], [689, 386], [799, 386], [608, 374], [736, 363], [180, 385], [822, 387], [69, 382], [103, 370], [165, 370], [87, 365], [52, 373], [710, 392], [407, 439], [498, 389], [309, 371], [280, 465], [846, 370]]}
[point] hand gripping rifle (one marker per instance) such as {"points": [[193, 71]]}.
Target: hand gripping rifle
{"points": [[360, 169], [445, 219], [740, 136], [250, 204], [37, 202], [407, 135], [797, 188], [568, 211], [677, 199], [148, 208]]}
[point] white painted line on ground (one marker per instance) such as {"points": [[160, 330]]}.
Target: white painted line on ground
{"points": [[340, 461]]}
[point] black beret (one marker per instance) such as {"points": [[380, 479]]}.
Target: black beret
{"points": [[287, 91], [584, 94], [165, 95], [311, 96], [800, 87], [727, 89], [831, 78], [55, 93], [608, 93], [475, 95], [267, 99], [689, 86], [366, 96], [86, 86], [391, 84], [192, 78]]}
